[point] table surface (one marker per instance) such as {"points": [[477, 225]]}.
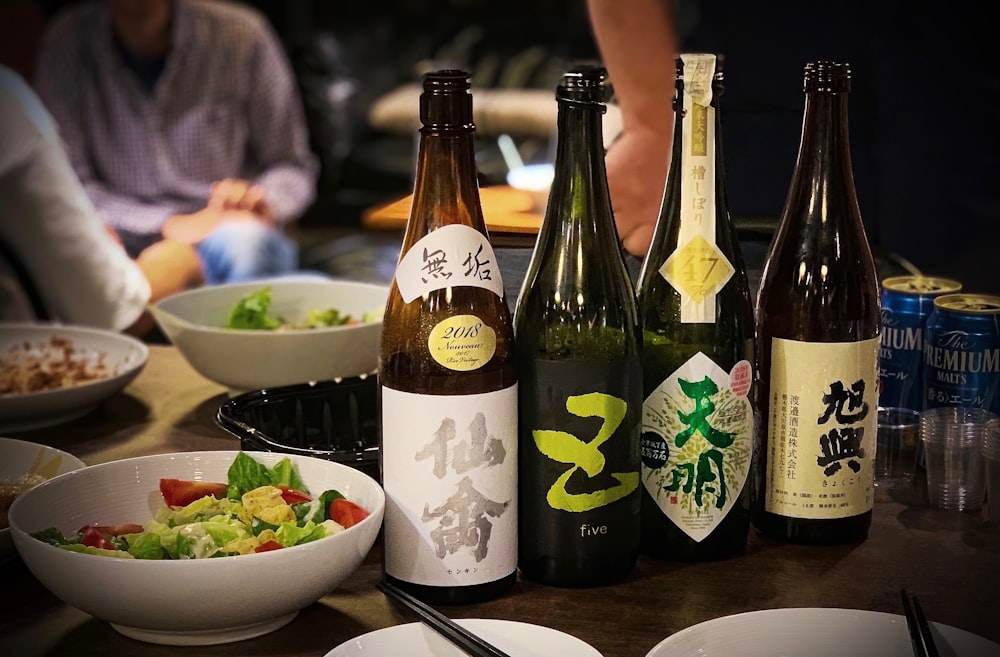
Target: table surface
{"points": [[950, 560]]}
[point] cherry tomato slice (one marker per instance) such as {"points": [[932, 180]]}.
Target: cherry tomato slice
{"points": [[115, 530], [181, 492], [268, 546], [346, 513], [293, 495], [93, 538]]}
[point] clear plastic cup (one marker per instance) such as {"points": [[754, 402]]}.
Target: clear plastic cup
{"points": [[896, 449], [953, 439], [991, 459]]}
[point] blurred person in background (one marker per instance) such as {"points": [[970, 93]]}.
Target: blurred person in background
{"points": [[925, 128], [183, 121], [58, 262]]}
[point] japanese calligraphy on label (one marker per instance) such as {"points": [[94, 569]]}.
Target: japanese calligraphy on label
{"points": [[697, 443], [697, 269], [450, 256], [449, 470], [584, 461], [821, 428]]}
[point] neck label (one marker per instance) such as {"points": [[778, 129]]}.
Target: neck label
{"points": [[451, 256], [698, 270]]}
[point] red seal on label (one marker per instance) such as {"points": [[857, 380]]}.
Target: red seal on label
{"points": [[740, 378]]}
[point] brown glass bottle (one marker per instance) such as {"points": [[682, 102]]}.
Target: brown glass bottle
{"points": [[577, 346], [448, 384], [818, 323], [698, 343]]}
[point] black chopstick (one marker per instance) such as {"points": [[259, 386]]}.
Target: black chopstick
{"points": [[475, 646], [920, 629]]}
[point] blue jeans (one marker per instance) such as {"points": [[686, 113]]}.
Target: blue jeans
{"points": [[246, 250]]}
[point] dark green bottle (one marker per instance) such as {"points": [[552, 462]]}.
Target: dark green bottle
{"points": [[698, 339], [577, 354]]}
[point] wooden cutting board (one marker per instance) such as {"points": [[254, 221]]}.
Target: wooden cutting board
{"points": [[506, 210]]}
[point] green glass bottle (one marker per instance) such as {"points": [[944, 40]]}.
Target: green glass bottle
{"points": [[697, 323], [818, 327], [577, 354]]}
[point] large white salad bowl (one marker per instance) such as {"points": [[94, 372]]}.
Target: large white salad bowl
{"points": [[193, 601], [243, 359]]}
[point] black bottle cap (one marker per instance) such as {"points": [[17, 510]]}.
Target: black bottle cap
{"points": [[827, 77], [585, 83], [446, 103]]}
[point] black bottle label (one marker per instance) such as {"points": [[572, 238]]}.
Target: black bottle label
{"points": [[697, 442], [451, 256], [579, 474]]}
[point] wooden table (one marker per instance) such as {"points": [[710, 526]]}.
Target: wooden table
{"points": [[950, 560]]}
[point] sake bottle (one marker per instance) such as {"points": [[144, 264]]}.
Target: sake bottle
{"points": [[697, 343], [448, 384], [818, 323], [577, 347]]}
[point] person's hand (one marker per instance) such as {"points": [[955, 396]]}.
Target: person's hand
{"points": [[193, 228], [240, 195], [637, 165]]}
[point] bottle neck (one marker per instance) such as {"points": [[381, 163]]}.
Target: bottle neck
{"points": [[446, 187], [823, 165], [580, 189]]}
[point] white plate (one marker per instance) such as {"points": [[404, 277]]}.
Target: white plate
{"points": [[19, 457], [418, 640], [814, 632], [125, 355]]}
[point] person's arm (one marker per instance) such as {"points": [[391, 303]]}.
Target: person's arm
{"points": [[81, 273], [279, 133], [638, 43]]}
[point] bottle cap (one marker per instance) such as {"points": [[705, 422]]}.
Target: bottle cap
{"points": [[585, 83], [827, 77], [446, 104]]}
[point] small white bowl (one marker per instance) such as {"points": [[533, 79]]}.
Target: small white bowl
{"points": [[244, 360], [20, 457], [535, 179], [192, 601]]}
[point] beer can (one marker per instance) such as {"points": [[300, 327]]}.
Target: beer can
{"points": [[962, 352], [907, 302]]}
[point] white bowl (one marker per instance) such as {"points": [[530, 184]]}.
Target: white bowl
{"points": [[20, 457], [535, 179], [193, 601], [243, 360], [813, 632], [124, 355]]}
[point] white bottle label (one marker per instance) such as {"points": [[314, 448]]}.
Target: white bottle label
{"points": [[451, 256], [821, 428], [697, 269], [697, 443], [449, 470]]}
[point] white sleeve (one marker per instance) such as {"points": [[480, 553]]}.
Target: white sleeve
{"points": [[82, 275]]}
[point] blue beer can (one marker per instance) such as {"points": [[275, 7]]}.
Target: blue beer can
{"points": [[907, 302], [962, 352]]}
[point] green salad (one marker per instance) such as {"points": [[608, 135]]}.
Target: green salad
{"points": [[253, 311], [257, 509]]}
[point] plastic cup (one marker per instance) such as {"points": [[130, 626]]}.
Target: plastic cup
{"points": [[896, 449], [953, 439], [991, 459]]}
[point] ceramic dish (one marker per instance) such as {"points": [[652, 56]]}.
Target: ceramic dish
{"points": [[20, 457], [124, 355], [814, 632], [187, 601], [244, 359], [418, 640]]}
